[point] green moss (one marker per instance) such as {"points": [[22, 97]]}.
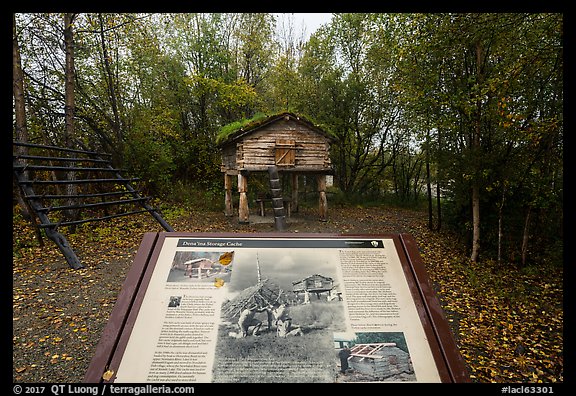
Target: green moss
{"points": [[258, 119], [246, 123]]}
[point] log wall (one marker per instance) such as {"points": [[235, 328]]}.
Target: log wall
{"points": [[265, 146]]}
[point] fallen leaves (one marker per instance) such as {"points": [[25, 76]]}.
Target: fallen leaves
{"points": [[108, 375], [59, 312], [494, 310]]}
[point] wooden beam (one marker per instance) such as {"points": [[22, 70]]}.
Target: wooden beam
{"points": [[228, 207], [243, 210], [80, 181], [63, 168], [49, 224], [63, 149], [294, 197], [322, 201]]}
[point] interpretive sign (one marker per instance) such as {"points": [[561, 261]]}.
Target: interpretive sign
{"points": [[216, 308]]}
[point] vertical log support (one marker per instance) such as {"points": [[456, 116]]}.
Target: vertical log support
{"points": [[322, 201], [295, 192], [228, 195], [243, 210]]}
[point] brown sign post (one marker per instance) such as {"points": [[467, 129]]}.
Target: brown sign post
{"points": [[187, 295]]}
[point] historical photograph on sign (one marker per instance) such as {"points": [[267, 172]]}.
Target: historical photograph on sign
{"points": [[373, 356], [201, 267], [174, 301], [278, 323]]}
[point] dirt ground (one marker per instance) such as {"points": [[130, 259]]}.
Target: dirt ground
{"points": [[59, 313]]}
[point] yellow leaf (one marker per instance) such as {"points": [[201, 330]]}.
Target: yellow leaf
{"points": [[226, 258], [218, 282], [108, 375]]}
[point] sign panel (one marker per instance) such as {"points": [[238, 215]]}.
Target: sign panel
{"points": [[216, 308]]}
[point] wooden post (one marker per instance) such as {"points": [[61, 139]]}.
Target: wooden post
{"points": [[323, 202], [243, 210], [294, 192], [228, 195]]}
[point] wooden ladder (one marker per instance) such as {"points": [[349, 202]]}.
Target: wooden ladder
{"points": [[41, 176], [277, 200]]}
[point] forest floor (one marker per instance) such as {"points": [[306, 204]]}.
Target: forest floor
{"points": [[507, 322]]}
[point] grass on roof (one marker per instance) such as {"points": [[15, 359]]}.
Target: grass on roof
{"points": [[246, 123], [256, 120]]}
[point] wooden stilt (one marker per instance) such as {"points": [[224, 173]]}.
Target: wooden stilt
{"points": [[243, 210], [228, 209], [294, 192], [323, 202]]}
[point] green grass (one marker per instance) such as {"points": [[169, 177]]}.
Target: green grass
{"points": [[229, 129]]}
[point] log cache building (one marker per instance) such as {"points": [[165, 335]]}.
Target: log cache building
{"points": [[290, 142]]}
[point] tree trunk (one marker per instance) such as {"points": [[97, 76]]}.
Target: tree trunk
{"points": [[116, 126], [475, 223], [69, 79], [476, 155], [500, 221], [438, 188], [71, 188], [19, 110], [429, 188], [18, 91], [525, 237], [438, 205]]}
